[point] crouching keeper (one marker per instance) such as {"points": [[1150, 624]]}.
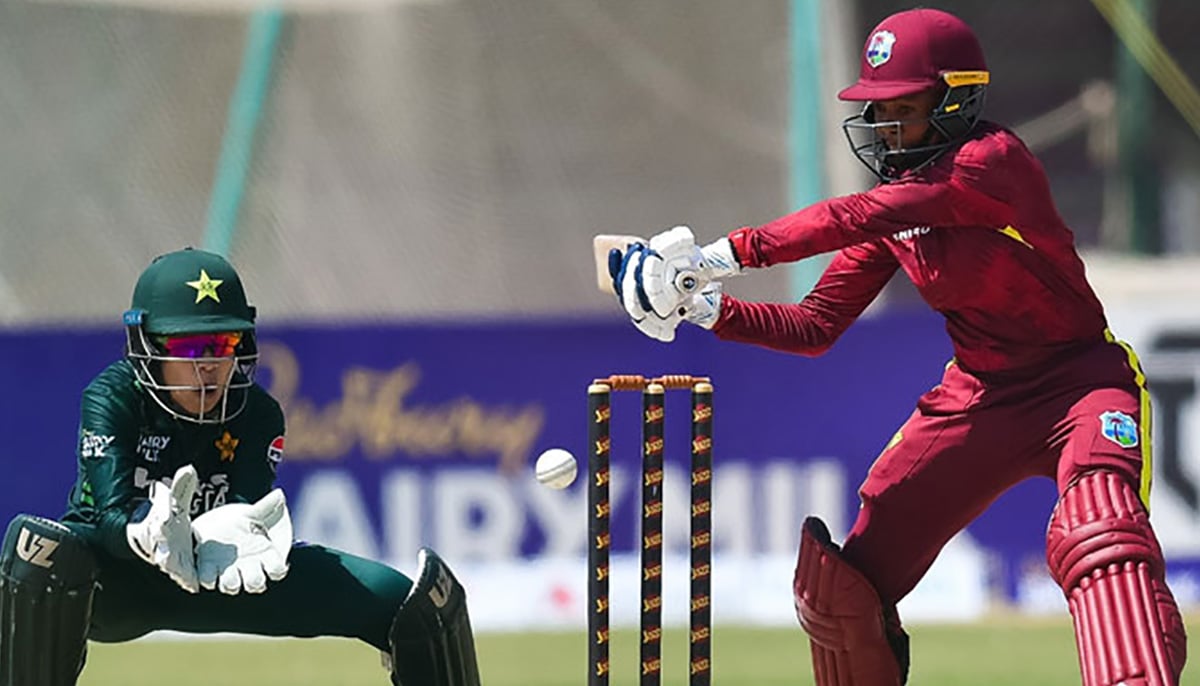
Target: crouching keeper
{"points": [[174, 522]]}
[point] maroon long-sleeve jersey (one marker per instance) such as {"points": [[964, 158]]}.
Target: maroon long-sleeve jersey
{"points": [[976, 231]]}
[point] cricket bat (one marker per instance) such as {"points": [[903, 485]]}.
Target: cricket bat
{"points": [[601, 244]]}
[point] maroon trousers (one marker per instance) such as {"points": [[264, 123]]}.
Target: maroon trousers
{"points": [[971, 438]]}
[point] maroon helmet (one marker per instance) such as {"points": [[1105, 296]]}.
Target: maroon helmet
{"points": [[908, 53]]}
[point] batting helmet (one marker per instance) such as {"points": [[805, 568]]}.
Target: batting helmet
{"points": [[908, 53]]}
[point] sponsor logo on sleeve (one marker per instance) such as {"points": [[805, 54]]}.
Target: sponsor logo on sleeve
{"points": [[910, 234], [1119, 428], [92, 445], [275, 452]]}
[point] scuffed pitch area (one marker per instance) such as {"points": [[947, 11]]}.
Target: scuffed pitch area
{"points": [[1002, 652]]}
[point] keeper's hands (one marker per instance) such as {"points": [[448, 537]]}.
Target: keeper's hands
{"points": [[239, 546], [163, 536]]}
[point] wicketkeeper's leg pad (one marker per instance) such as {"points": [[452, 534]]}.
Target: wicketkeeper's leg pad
{"points": [[47, 582], [1103, 553], [432, 643], [840, 609]]}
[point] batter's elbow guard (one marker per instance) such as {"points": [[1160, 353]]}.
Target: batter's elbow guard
{"points": [[47, 581], [431, 638]]}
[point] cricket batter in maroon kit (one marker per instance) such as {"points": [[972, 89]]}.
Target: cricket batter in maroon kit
{"points": [[1038, 385]]}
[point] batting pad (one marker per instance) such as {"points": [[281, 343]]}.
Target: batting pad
{"points": [[842, 614], [1103, 553], [47, 581]]}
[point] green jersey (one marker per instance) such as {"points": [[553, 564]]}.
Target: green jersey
{"points": [[126, 441]]}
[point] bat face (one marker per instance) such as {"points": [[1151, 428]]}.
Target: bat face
{"points": [[603, 243]]}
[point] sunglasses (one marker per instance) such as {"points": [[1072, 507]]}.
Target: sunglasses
{"points": [[200, 345]]}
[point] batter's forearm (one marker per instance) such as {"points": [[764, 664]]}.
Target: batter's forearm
{"points": [[787, 328]]}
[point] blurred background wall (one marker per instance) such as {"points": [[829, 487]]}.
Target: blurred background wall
{"points": [[453, 157]]}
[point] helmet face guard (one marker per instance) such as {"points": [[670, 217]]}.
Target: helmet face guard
{"points": [[949, 123], [147, 358], [189, 308]]}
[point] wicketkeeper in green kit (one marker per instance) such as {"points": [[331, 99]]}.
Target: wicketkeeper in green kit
{"points": [[174, 523]]}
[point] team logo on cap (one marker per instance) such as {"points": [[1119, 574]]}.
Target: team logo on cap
{"points": [[206, 287], [879, 48]]}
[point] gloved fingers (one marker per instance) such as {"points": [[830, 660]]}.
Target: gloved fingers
{"points": [[639, 276], [281, 535], [183, 487], [207, 572], [254, 578], [629, 300], [184, 566], [616, 259], [678, 240], [213, 558], [658, 328], [274, 565], [185, 578], [657, 289], [268, 509], [230, 581], [633, 299], [159, 512], [704, 308]]}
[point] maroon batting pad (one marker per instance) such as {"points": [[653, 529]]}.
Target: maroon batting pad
{"points": [[841, 612], [1104, 555]]}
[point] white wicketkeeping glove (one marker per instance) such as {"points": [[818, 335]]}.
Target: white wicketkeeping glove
{"points": [[163, 537], [239, 546]]}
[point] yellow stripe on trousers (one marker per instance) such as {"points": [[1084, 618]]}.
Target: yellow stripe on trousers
{"points": [[1139, 377]]}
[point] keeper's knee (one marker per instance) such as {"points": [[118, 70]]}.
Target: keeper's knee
{"points": [[47, 581], [432, 642]]}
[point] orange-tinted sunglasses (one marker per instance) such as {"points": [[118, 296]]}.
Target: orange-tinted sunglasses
{"points": [[200, 345]]}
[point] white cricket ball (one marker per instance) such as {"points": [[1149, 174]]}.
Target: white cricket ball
{"points": [[556, 468]]}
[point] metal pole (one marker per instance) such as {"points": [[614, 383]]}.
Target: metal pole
{"points": [[241, 128]]}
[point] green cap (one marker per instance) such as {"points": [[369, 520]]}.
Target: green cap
{"points": [[191, 291]]}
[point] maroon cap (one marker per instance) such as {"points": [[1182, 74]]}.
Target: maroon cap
{"points": [[910, 51]]}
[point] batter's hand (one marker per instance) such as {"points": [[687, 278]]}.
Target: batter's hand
{"points": [[239, 546], [163, 535], [625, 269], [704, 308], [660, 276]]}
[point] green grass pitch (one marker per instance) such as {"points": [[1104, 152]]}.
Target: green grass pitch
{"points": [[1000, 652]]}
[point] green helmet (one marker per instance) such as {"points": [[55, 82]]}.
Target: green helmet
{"points": [[183, 294], [192, 291]]}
